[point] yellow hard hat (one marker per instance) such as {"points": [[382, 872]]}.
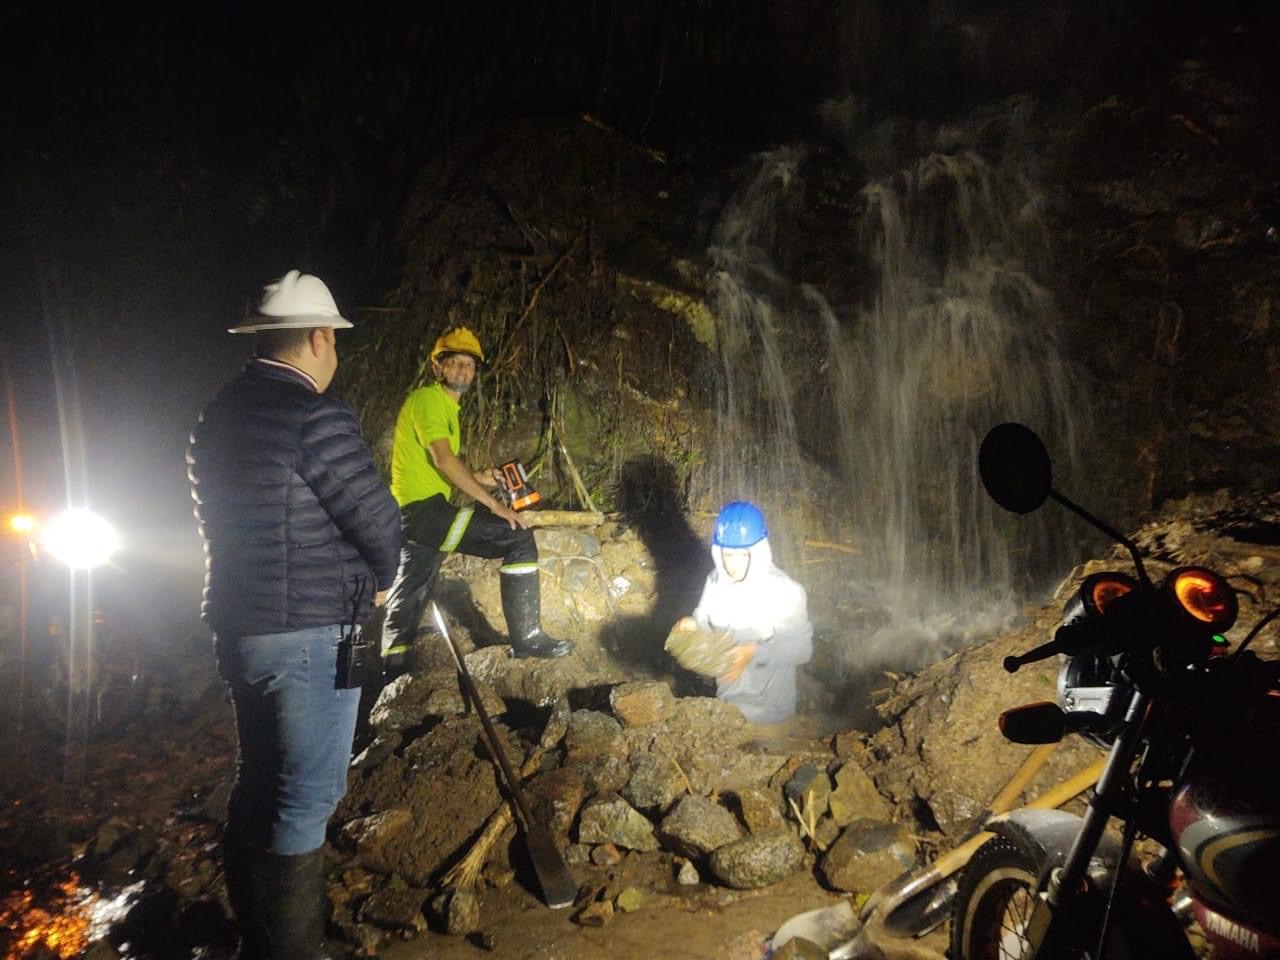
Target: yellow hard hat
{"points": [[458, 340]]}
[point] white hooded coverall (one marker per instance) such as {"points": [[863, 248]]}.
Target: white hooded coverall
{"points": [[769, 609]]}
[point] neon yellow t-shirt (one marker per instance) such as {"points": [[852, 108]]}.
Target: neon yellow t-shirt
{"points": [[427, 414]]}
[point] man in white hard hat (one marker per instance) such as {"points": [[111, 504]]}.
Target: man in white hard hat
{"points": [[301, 535]]}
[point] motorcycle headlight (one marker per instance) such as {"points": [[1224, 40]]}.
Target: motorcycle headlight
{"points": [[1095, 594], [1203, 596]]}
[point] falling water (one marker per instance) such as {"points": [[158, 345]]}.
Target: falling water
{"points": [[957, 336], [757, 454]]}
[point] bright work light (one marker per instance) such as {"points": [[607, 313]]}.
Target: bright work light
{"points": [[80, 539], [22, 524]]}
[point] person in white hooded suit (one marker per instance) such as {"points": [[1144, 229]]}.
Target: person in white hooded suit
{"points": [[764, 611]]}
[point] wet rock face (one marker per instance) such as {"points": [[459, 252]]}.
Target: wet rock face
{"points": [[589, 578], [758, 861], [698, 826]]}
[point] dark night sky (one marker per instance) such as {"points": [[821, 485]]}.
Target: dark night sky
{"points": [[138, 216], [162, 160]]}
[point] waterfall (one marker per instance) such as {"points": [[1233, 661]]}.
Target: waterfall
{"points": [[757, 454], [955, 335], [958, 337]]}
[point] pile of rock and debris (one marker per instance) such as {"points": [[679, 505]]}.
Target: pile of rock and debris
{"points": [[941, 757], [625, 771]]}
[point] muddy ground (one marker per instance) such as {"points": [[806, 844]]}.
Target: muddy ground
{"points": [[144, 804], [139, 810]]}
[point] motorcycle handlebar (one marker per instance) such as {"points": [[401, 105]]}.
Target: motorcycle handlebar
{"points": [[1070, 638]]}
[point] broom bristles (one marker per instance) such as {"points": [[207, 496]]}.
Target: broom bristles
{"points": [[464, 874]]}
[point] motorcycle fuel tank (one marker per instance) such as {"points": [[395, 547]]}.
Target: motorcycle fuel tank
{"points": [[1225, 819]]}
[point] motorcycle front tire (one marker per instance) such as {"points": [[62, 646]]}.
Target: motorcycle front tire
{"points": [[995, 897]]}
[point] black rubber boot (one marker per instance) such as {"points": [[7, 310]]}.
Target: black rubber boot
{"points": [[278, 901], [522, 606], [237, 869]]}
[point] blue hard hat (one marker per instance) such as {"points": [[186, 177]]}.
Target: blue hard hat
{"points": [[739, 525]]}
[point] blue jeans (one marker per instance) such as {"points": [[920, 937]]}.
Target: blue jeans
{"points": [[295, 733]]}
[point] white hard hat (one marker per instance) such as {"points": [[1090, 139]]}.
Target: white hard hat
{"points": [[295, 301]]}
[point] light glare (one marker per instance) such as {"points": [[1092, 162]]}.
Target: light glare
{"points": [[22, 523], [80, 539]]}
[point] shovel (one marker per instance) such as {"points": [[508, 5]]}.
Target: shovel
{"points": [[920, 899], [558, 886]]}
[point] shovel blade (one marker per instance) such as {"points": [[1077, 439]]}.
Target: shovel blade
{"points": [[559, 889], [923, 913]]}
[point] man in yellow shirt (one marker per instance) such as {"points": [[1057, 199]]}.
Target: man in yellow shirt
{"points": [[425, 469]]}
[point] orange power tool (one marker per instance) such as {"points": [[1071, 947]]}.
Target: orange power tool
{"points": [[516, 488]]}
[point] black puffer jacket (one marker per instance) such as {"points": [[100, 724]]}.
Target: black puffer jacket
{"points": [[295, 517]]}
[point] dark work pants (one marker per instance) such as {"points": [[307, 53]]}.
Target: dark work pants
{"points": [[432, 529]]}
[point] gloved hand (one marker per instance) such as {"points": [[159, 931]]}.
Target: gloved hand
{"points": [[740, 658]]}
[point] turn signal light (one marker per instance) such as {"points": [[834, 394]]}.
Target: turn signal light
{"points": [[1205, 596]]}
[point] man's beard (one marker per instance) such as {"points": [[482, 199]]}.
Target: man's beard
{"points": [[460, 388]]}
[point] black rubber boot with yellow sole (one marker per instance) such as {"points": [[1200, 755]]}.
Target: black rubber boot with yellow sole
{"points": [[522, 606]]}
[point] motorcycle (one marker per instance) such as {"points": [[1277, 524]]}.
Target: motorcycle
{"points": [[1191, 729]]}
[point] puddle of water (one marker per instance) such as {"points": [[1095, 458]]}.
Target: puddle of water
{"points": [[62, 919]]}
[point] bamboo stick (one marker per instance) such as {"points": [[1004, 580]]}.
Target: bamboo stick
{"points": [[564, 518]]}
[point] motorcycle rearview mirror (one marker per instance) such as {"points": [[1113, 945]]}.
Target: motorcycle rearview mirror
{"points": [[1015, 468], [1017, 473]]}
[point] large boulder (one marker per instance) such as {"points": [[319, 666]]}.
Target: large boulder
{"points": [[593, 734], [588, 576], [704, 736], [535, 681], [396, 907], [597, 751], [760, 810]]}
